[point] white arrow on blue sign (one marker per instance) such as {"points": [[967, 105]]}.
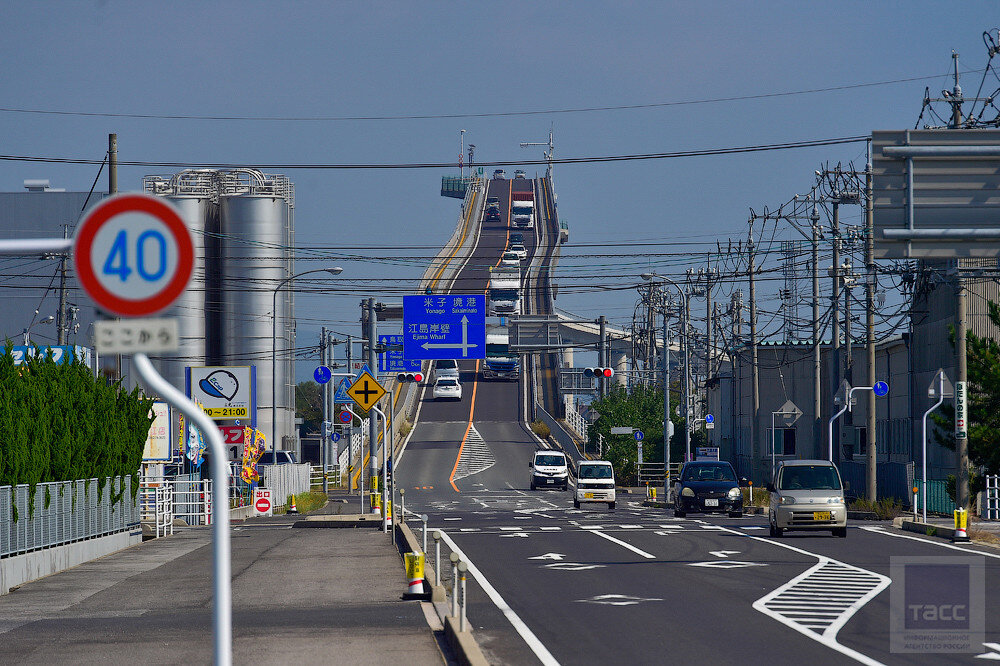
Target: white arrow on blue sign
{"points": [[444, 327], [881, 388], [638, 434], [392, 360], [709, 418]]}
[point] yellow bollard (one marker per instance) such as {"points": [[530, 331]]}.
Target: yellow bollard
{"points": [[414, 573], [961, 525], [653, 490]]}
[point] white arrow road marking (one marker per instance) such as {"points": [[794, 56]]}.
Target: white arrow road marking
{"points": [[723, 553], [625, 545], [615, 600], [995, 647], [726, 564], [572, 566], [523, 535], [465, 345], [548, 556]]}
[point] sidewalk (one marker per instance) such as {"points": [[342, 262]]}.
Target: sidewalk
{"points": [[300, 596]]}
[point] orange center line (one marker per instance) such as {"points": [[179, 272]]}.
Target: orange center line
{"points": [[472, 409]]}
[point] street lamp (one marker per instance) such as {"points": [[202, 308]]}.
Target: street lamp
{"points": [[46, 320], [337, 270], [666, 375]]}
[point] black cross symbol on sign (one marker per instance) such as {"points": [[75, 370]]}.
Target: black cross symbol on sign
{"points": [[367, 391]]}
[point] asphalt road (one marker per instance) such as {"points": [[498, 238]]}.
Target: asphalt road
{"points": [[553, 584]]}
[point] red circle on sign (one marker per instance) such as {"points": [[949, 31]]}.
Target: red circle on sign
{"points": [[83, 242], [263, 505], [345, 417]]}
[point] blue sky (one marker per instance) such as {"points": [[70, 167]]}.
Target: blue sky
{"points": [[322, 59]]}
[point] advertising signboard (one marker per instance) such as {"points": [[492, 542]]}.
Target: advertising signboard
{"points": [[225, 392], [157, 448]]}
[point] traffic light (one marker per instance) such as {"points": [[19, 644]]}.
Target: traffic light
{"points": [[599, 372], [406, 377]]}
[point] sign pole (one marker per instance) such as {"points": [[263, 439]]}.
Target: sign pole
{"points": [[385, 469], [221, 568]]}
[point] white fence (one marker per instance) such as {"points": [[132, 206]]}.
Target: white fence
{"points": [[284, 480], [992, 508], [64, 512], [576, 422]]}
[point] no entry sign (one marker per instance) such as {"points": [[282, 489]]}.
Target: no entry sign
{"points": [[262, 501], [133, 255]]}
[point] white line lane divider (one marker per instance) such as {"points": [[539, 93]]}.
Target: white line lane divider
{"points": [[623, 544], [520, 627]]}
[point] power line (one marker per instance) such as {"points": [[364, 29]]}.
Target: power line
{"points": [[630, 157], [493, 114]]}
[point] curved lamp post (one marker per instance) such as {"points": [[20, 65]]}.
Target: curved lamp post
{"points": [[337, 270]]}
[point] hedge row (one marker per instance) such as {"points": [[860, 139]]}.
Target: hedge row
{"points": [[60, 423]]}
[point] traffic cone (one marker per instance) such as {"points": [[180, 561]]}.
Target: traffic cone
{"points": [[414, 575], [292, 508], [961, 523]]}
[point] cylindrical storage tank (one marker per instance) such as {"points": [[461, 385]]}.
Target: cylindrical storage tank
{"points": [[189, 308], [254, 262]]}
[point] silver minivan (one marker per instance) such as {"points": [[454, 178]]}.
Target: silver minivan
{"points": [[807, 495]]}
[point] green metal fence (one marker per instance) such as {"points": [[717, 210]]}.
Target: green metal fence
{"points": [[937, 496]]}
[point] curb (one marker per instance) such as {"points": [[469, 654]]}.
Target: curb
{"points": [[335, 520], [926, 529], [747, 510], [464, 645]]}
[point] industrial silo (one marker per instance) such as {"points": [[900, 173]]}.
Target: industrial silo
{"points": [[192, 194], [255, 214]]}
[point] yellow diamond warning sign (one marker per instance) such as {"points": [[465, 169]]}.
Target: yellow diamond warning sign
{"points": [[366, 391]]}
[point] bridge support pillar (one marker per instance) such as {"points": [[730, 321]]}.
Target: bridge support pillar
{"points": [[620, 362], [567, 357]]}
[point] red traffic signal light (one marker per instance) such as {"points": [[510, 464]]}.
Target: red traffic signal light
{"points": [[598, 372], [410, 377]]}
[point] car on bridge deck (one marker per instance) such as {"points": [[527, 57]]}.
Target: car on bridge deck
{"points": [[446, 368], [519, 250], [499, 174], [516, 237], [807, 495], [509, 258], [447, 388], [519, 173], [595, 482], [708, 486]]}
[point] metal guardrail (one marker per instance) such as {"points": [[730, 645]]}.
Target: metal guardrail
{"points": [[64, 512], [938, 500]]}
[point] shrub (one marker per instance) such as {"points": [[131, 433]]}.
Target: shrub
{"points": [[886, 508], [540, 429]]}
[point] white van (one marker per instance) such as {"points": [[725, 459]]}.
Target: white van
{"points": [[445, 369], [595, 482], [549, 469]]}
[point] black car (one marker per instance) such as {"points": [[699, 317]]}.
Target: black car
{"points": [[708, 486], [516, 238]]}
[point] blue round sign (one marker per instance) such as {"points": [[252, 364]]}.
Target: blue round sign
{"points": [[345, 417], [638, 434], [322, 374], [709, 418], [335, 436], [881, 388]]}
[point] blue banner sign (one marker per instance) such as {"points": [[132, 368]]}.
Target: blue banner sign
{"points": [[392, 360], [451, 326]]}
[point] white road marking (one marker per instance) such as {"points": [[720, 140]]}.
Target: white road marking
{"points": [[452, 518], [631, 527], [548, 556], [520, 627], [625, 545], [476, 456], [881, 530], [726, 564], [615, 600], [469, 529], [573, 566], [510, 529], [723, 553], [550, 529], [523, 535]]}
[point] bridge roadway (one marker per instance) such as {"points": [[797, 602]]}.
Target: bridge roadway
{"points": [[554, 584]]}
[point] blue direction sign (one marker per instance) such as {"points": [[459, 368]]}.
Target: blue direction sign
{"points": [[335, 436], [392, 360], [709, 418], [638, 434], [450, 326], [322, 374], [880, 388], [341, 394]]}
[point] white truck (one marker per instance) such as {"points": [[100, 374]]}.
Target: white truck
{"points": [[522, 210], [500, 363], [505, 290]]}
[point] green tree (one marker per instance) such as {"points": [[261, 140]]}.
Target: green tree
{"points": [[642, 409], [983, 362], [309, 405]]}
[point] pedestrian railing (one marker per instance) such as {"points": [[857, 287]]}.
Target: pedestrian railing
{"points": [[63, 512], [333, 478]]}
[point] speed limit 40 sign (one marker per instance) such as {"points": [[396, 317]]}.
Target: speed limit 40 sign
{"points": [[133, 255]]}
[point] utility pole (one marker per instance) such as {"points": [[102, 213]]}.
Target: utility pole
{"points": [[961, 434], [324, 431], [666, 386], [61, 325], [835, 375], [602, 355], [113, 190], [870, 326], [372, 421], [754, 371], [817, 355]]}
